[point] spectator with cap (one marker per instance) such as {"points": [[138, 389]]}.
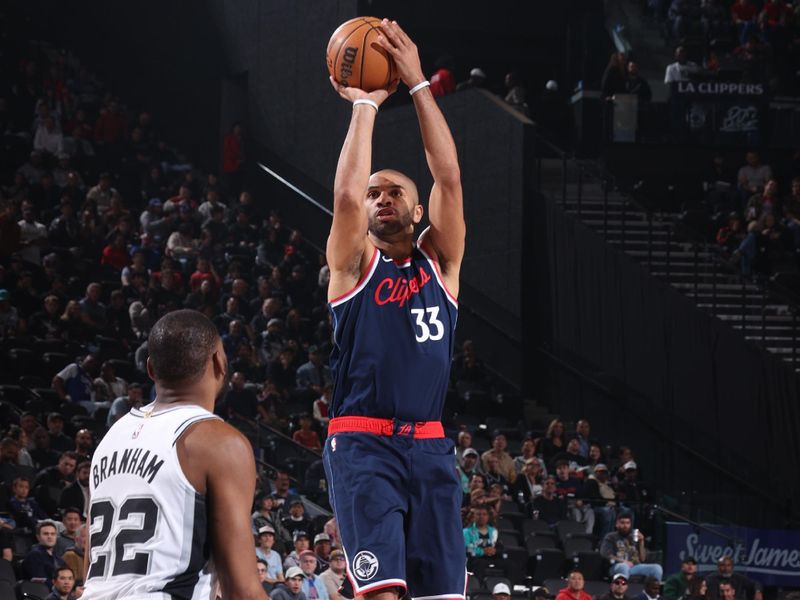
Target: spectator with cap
{"points": [[574, 589], [297, 520], [618, 590], [505, 462], [467, 467], [333, 577], [292, 588], [301, 544], [312, 586], [743, 587], [501, 591], [122, 405], [571, 489], [626, 552], [477, 79], [678, 585], [271, 558], [631, 491], [322, 548], [651, 591], [599, 492]]}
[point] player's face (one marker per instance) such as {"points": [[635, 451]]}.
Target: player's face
{"points": [[392, 205]]}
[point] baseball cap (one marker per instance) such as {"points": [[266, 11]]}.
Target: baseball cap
{"points": [[293, 572], [600, 467], [294, 500], [272, 322], [619, 576], [322, 537], [477, 72], [689, 559], [307, 553], [298, 534], [154, 202], [4, 294], [501, 588], [266, 529], [470, 452], [629, 466]]}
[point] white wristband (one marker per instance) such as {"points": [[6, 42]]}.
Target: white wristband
{"points": [[418, 87], [366, 101]]}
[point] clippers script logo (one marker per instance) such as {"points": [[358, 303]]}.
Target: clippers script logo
{"points": [[365, 565]]}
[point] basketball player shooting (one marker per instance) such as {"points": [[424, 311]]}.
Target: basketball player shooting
{"points": [[393, 484], [171, 480]]}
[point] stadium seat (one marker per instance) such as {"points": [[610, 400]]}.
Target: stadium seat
{"points": [[516, 563], [536, 542], [591, 564], [31, 589], [23, 542], [546, 563], [569, 529], [535, 527], [55, 362], [7, 590], [574, 545], [473, 585], [509, 538], [634, 589], [125, 369], [7, 573], [33, 381], [594, 587], [9, 413], [22, 361], [15, 394]]}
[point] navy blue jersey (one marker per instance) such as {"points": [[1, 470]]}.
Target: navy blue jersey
{"points": [[393, 341]]}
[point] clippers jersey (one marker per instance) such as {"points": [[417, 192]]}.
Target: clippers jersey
{"points": [[393, 341], [148, 525]]}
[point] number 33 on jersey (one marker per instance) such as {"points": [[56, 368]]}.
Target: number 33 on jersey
{"points": [[399, 314]]}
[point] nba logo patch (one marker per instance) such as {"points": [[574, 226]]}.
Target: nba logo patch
{"points": [[365, 565], [333, 444]]}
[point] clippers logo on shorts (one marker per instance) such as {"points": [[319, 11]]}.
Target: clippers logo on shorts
{"points": [[365, 565]]}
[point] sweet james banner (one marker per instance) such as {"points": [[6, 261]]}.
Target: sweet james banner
{"points": [[771, 556]]}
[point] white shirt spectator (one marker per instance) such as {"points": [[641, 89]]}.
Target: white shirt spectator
{"points": [[679, 72], [48, 140], [30, 232], [205, 209]]}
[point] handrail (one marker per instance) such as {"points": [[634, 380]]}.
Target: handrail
{"points": [[731, 540]]}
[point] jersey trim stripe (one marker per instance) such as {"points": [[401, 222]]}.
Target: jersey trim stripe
{"points": [[189, 422], [436, 271], [373, 264]]}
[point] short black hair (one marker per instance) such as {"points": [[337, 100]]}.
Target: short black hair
{"points": [[180, 345]]}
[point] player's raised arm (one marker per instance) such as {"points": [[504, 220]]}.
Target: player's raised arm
{"points": [[347, 241], [445, 210]]}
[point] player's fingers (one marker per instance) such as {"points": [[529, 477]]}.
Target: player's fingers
{"points": [[393, 86], [402, 35], [386, 45], [390, 31]]}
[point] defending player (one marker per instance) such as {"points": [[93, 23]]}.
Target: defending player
{"points": [[391, 471], [170, 480]]}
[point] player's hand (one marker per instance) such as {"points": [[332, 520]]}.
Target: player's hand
{"points": [[397, 43], [351, 94]]}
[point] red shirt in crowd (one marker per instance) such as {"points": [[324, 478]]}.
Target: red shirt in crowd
{"points": [[232, 155], [309, 439], [115, 257], [744, 12], [110, 127], [775, 11], [443, 83], [565, 594], [197, 278]]}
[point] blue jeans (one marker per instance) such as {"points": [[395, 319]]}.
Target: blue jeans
{"points": [[644, 569]]}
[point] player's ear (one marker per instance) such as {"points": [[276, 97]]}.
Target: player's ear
{"points": [[416, 215], [219, 364], [150, 369]]}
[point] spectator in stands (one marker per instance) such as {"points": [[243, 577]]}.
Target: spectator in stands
{"points": [[33, 236], [571, 491], [574, 589], [48, 138], [322, 405], [46, 324], [626, 552], [528, 485], [9, 316], [102, 193], [261, 568], [312, 586], [633, 492], [322, 549], [71, 520], [58, 440], [63, 585], [477, 79], [301, 543], [549, 506], [292, 589], [744, 588], [582, 432], [528, 451], [651, 591], [638, 85], [25, 511], [240, 401], [744, 14], [283, 489], [554, 440], [57, 477], [271, 558], [599, 492], [678, 586], [684, 16], [753, 176], [333, 577], [108, 386], [764, 203], [618, 589], [493, 474], [297, 520], [731, 235], [76, 494], [233, 159], [73, 557], [306, 436], [680, 70], [84, 444], [40, 561], [516, 95], [315, 374], [613, 80], [467, 467], [124, 403], [480, 540], [505, 464], [463, 441], [501, 592], [41, 454], [443, 81]]}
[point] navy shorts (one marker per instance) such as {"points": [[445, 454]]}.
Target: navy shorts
{"points": [[397, 502]]}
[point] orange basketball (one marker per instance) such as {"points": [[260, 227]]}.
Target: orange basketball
{"points": [[355, 58]]}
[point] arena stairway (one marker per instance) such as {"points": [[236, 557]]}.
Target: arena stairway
{"points": [[693, 268]]}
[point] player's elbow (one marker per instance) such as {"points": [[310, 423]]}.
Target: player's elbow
{"points": [[449, 177], [348, 198]]}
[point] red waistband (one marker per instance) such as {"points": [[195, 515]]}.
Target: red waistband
{"points": [[419, 430]]}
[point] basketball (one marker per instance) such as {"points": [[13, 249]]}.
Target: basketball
{"points": [[355, 58]]}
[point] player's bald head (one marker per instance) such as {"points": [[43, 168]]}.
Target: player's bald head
{"points": [[389, 177]]}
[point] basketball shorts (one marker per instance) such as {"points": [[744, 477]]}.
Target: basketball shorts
{"points": [[397, 502]]}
